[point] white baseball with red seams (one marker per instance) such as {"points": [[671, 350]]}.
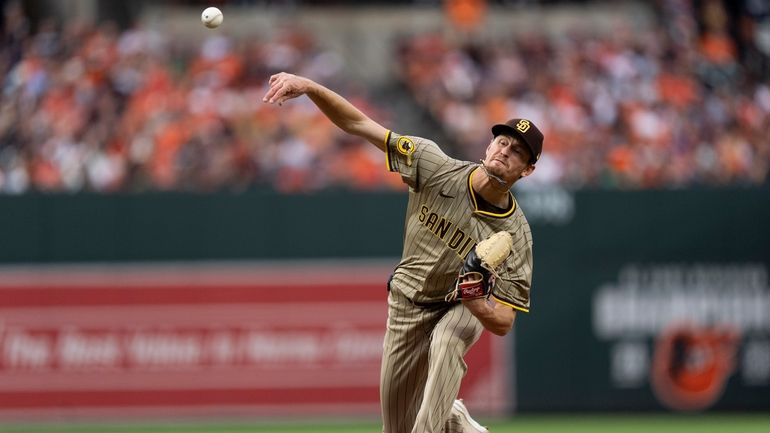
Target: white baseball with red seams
{"points": [[212, 17]]}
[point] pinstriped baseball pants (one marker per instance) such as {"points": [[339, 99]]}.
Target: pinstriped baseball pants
{"points": [[422, 364]]}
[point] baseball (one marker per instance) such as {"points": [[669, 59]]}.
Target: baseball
{"points": [[212, 17]]}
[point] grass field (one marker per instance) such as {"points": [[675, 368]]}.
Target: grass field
{"points": [[753, 423]]}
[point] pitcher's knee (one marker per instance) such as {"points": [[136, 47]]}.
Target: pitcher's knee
{"points": [[450, 342], [449, 350]]}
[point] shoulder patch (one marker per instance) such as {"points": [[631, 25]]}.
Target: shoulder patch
{"points": [[405, 146]]}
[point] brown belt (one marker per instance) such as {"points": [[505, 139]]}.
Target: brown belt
{"points": [[432, 304]]}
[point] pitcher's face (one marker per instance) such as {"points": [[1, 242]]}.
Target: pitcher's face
{"points": [[508, 158]]}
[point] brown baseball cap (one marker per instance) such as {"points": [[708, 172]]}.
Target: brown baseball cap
{"points": [[527, 131]]}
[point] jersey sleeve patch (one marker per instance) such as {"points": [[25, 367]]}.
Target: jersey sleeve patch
{"points": [[399, 151], [415, 158], [406, 147]]}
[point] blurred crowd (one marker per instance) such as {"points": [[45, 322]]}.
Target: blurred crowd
{"points": [[93, 108], [668, 107]]}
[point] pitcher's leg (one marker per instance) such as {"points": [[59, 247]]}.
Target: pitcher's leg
{"points": [[404, 365], [451, 339]]}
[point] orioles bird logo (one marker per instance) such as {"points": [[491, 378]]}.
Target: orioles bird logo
{"points": [[691, 366]]}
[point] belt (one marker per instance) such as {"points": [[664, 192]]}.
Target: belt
{"points": [[428, 304], [433, 304]]}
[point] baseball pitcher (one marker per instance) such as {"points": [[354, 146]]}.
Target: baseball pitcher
{"points": [[466, 264]]}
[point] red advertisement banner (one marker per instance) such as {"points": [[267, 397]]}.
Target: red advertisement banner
{"points": [[278, 339]]}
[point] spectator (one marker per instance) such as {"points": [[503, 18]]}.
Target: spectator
{"points": [[93, 109], [89, 108], [648, 111]]}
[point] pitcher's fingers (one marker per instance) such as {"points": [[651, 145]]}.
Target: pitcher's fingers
{"points": [[285, 97], [282, 93], [275, 77], [275, 92], [269, 94]]}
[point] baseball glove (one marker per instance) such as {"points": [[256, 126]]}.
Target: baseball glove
{"points": [[477, 276]]}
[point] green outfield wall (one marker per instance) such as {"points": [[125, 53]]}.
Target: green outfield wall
{"points": [[641, 300], [259, 225], [649, 300]]}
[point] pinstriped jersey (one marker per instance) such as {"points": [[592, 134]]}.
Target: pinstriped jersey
{"points": [[444, 222]]}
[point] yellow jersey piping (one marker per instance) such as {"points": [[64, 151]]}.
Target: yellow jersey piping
{"points": [[387, 152], [476, 204], [515, 307]]}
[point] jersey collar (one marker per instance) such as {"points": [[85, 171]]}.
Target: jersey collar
{"points": [[475, 200]]}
